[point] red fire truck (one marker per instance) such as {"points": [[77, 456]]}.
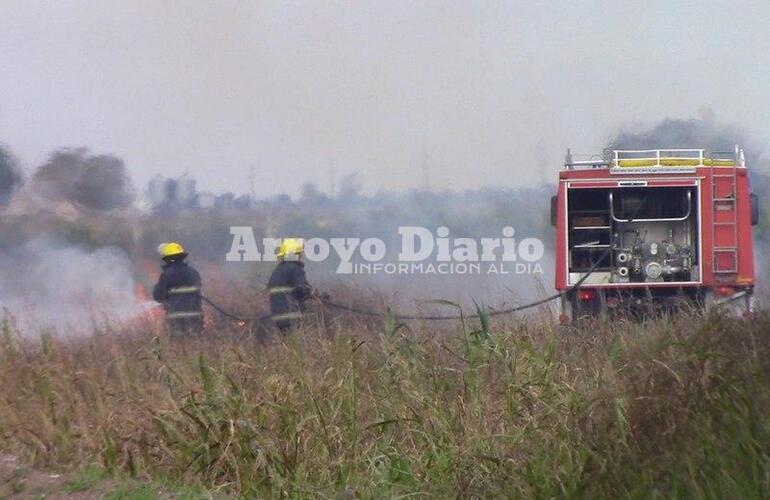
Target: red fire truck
{"points": [[652, 230]]}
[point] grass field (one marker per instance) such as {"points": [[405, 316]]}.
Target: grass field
{"points": [[481, 409]]}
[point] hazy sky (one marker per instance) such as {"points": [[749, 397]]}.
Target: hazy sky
{"points": [[486, 91]]}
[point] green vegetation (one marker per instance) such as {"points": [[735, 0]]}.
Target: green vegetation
{"points": [[85, 479], [133, 492], [671, 408]]}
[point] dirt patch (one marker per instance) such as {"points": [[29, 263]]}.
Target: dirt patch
{"points": [[20, 481]]}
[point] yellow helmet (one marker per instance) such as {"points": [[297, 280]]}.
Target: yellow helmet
{"points": [[170, 249], [291, 246]]}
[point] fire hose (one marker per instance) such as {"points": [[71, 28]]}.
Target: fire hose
{"points": [[226, 314], [496, 312], [449, 317], [367, 312]]}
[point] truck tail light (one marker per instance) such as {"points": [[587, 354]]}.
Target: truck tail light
{"points": [[586, 295], [724, 291]]}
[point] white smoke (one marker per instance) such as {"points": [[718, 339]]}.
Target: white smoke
{"points": [[66, 288]]}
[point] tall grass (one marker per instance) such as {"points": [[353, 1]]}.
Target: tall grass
{"points": [[671, 408]]}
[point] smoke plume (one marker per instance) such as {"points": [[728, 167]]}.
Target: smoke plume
{"points": [[700, 133], [473, 214], [96, 182], [65, 287]]}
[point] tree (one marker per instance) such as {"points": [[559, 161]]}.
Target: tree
{"points": [[351, 186], [95, 182], [10, 176], [311, 195]]}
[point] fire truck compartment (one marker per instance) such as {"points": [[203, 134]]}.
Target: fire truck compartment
{"points": [[626, 235]]}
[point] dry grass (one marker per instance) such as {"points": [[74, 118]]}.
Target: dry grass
{"points": [[485, 409]]}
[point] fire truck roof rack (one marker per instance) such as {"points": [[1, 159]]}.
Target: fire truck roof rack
{"points": [[656, 158], [584, 162]]}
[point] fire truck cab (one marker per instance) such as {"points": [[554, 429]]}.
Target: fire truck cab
{"points": [[650, 230]]}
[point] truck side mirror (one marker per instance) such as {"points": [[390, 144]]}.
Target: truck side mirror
{"points": [[554, 209], [754, 209]]}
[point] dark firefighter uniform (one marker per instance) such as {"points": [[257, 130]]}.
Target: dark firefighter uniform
{"points": [[179, 290], [289, 289]]}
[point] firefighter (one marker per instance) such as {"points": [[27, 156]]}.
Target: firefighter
{"points": [[179, 290], [288, 286]]}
